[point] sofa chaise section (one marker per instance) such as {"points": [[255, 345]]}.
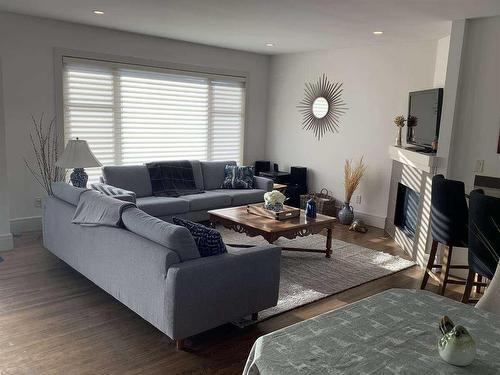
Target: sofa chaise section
{"points": [[151, 268]]}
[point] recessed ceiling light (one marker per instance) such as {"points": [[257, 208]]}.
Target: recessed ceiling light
{"points": [[378, 32], [269, 44], [98, 12]]}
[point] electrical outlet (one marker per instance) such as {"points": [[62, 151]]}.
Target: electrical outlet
{"points": [[358, 199], [38, 202], [479, 166]]}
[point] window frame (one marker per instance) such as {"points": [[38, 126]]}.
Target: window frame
{"points": [[62, 54]]}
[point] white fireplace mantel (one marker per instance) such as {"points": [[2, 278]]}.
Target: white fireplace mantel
{"points": [[424, 162]]}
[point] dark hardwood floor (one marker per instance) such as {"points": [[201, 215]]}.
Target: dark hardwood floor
{"points": [[54, 321]]}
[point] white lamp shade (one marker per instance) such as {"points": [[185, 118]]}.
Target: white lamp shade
{"points": [[77, 154]]}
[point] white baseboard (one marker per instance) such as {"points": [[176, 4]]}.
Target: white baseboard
{"points": [[26, 224], [6, 242], [369, 219]]}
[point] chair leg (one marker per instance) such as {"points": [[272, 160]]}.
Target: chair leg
{"points": [[479, 279], [180, 344], [468, 286], [430, 264], [445, 270]]}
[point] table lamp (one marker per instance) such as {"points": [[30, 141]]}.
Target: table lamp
{"points": [[77, 155]]}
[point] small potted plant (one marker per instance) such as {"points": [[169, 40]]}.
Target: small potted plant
{"points": [[352, 177], [400, 122]]}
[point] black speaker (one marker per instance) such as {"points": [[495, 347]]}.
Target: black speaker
{"points": [[298, 176], [262, 166]]}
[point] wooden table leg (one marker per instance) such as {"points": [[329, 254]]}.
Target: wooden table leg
{"points": [[329, 243]]}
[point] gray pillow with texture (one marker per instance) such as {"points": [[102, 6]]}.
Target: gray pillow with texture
{"points": [[173, 237]]}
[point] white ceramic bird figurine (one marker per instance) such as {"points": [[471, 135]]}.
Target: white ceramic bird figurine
{"points": [[457, 346]]}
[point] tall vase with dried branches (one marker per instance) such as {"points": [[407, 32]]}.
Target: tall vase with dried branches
{"points": [[45, 142], [352, 177]]}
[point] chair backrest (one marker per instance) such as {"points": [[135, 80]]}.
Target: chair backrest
{"points": [[449, 212], [484, 233]]}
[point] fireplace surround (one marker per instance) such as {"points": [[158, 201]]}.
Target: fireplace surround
{"points": [[409, 207]]}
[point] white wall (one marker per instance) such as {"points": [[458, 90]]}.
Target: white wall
{"points": [[26, 49], [376, 81], [442, 50], [477, 122], [5, 235]]}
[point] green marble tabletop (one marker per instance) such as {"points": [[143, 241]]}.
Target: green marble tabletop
{"points": [[394, 332]]}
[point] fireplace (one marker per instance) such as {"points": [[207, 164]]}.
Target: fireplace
{"points": [[407, 210], [409, 207]]}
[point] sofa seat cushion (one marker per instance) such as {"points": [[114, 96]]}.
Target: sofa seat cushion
{"points": [[241, 197], [162, 206], [208, 200]]}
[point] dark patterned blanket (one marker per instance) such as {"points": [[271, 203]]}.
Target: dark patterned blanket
{"points": [[172, 178]]}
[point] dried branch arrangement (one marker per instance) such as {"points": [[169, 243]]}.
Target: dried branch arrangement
{"points": [[352, 177], [399, 121], [45, 142]]}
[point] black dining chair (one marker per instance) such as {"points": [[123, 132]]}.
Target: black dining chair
{"points": [[449, 221], [484, 239]]}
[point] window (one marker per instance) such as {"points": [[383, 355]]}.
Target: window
{"points": [[133, 115]]}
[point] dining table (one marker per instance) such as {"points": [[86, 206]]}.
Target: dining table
{"points": [[393, 332]]}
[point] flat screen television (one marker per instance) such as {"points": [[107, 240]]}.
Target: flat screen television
{"points": [[424, 118]]}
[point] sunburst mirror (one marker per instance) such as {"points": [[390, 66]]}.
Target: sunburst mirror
{"points": [[322, 106]]}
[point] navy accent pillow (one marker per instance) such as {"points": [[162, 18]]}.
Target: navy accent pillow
{"points": [[208, 240], [236, 177]]}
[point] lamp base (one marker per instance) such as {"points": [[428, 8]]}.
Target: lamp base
{"points": [[79, 178]]}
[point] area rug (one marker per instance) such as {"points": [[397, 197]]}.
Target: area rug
{"points": [[308, 277]]}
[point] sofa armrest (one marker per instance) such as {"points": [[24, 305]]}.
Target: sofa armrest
{"points": [[207, 292], [115, 192], [263, 183]]}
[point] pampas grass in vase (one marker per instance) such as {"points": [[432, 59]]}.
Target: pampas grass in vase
{"points": [[352, 177]]}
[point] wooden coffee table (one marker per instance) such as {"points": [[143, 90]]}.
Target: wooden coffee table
{"points": [[239, 220]]}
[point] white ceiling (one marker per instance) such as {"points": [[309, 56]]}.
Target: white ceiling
{"points": [[293, 25]]}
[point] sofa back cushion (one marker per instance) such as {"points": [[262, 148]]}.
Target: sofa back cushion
{"points": [[213, 173], [173, 237], [129, 177], [67, 192]]}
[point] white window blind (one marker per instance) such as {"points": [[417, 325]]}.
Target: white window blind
{"points": [[134, 115]]}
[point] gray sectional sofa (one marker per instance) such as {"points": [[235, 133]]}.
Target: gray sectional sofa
{"points": [[132, 183], [154, 267]]}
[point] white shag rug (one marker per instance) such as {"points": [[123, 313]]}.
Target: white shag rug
{"points": [[308, 277]]}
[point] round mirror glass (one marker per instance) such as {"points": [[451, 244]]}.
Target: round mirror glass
{"points": [[320, 107]]}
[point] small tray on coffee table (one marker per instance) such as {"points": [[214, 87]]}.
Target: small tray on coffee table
{"points": [[288, 212]]}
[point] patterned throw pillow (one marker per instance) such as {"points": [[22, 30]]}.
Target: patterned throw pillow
{"points": [[208, 240], [237, 177]]}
